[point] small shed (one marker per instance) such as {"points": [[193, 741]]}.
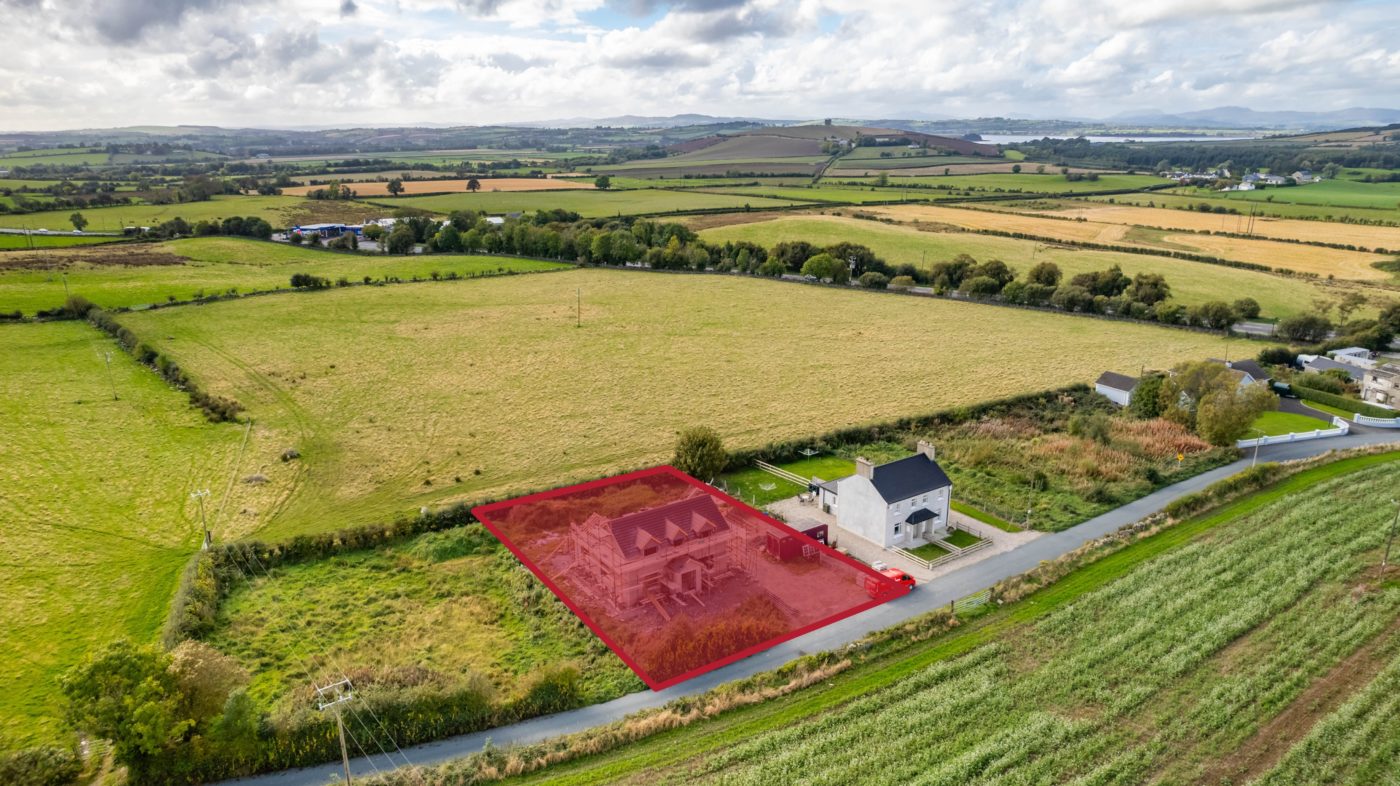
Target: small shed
{"points": [[1117, 388]]}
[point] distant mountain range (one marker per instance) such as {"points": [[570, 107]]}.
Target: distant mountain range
{"points": [[644, 121]]}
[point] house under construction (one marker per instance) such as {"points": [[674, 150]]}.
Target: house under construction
{"points": [[677, 550]]}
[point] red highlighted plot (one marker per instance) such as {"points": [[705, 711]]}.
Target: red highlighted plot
{"points": [[676, 577]]}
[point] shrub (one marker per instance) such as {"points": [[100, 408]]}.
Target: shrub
{"points": [[1305, 327], [982, 286], [1246, 308], [77, 306], [46, 766], [308, 281], [901, 282], [873, 280], [1278, 356], [1341, 402], [1327, 383], [700, 453]]}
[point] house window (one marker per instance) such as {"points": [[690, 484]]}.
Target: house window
{"points": [[648, 551], [897, 528]]}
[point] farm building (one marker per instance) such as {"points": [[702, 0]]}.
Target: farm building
{"points": [[325, 230], [679, 548], [1354, 368], [1117, 388], [901, 503]]}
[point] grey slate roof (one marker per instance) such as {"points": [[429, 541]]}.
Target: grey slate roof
{"points": [[1323, 364], [908, 477], [686, 514], [1251, 368], [1117, 381], [920, 515]]}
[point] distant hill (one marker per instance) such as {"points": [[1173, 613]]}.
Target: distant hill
{"points": [[821, 132], [641, 121], [1244, 118]]}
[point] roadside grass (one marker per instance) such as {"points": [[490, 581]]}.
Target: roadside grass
{"points": [[1273, 424], [983, 516], [378, 438], [134, 275], [96, 502], [587, 203], [1192, 283], [987, 625], [1331, 410]]}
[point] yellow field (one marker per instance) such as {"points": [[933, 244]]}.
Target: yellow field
{"points": [[1292, 256], [377, 189], [419, 394], [1283, 228]]}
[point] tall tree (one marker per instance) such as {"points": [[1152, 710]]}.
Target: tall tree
{"points": [[473, 185], [79, 221], [394, 187], [700, 453]]}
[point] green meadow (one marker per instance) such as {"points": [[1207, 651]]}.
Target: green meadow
{"points": [[590, 204]]}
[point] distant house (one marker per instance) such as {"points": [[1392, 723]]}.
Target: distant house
{"points": [[1305, 176], [1118, 388], [1381, 386], [1361, 353], [1247, 372], [1318, 364], [901, 503], [495, 220], [1252, 178], [680, 547]]}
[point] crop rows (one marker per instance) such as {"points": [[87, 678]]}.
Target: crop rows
{"points": [[1133, 680]]}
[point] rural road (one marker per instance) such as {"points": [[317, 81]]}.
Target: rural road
{"points": [[927, 597]]}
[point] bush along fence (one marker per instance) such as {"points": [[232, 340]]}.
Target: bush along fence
{"points": [[217, 408], [1340, 428]]}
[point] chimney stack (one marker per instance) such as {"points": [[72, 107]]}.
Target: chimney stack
{"points": [[926, 448], [864, 468]]}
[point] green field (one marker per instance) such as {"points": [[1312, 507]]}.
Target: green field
{"points": [[825, 193], [1191, 282], [1030, 183], [74, 156], [143, 274], [380, 438], [1222, 650], [454, 605], [8, 241], [1262, 206], [276, 210], [590, 204], [98, 519], [1328, 193]]}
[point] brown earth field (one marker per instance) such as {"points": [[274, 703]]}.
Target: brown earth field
{"points": [[1339, 263], [1360, 235], [113, 255], [681, 169], [411, 187]]}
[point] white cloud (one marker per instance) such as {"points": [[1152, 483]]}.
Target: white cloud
{"points": [[310, 62]]}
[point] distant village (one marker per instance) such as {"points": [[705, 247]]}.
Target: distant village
{"points": [[1249, 182]]}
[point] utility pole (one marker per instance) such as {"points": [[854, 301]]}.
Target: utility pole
{"points": [[199, 496], [578, 307], [66, 294], [107, 356], [331, 697], [1390, 540]]}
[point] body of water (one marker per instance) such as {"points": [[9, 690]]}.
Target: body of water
{"points": [[1008, 139]]}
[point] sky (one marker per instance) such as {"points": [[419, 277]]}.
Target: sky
{"points": [[291, 63]]}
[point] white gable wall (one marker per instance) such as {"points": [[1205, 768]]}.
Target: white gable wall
{"points": [[1119, 397], [860, 509]]}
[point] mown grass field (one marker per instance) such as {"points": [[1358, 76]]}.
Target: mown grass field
{"points": [[1360, 235], [143, 274], [394, 396], [590, 204], [98, 519], [829, 193], [488, 184], [1048, 183], [1191, 282], [1242, 646], [276, 210], [1262, 207], [1271, 424], [58, 156], [1289, 256]]}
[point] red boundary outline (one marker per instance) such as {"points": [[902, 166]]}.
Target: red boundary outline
{"points": [[483, 514]]}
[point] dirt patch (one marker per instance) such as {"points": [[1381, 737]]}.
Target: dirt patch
{"points": [[63, 259], [1261, 752], [333, 211], [713, 220]]}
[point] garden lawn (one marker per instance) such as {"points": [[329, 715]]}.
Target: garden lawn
{"points": [[420, 394], [1272, 424], [135, 275], [98, 518], [1191, 282]]}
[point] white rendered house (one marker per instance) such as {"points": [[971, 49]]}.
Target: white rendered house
{"points": [[901, 503]]}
